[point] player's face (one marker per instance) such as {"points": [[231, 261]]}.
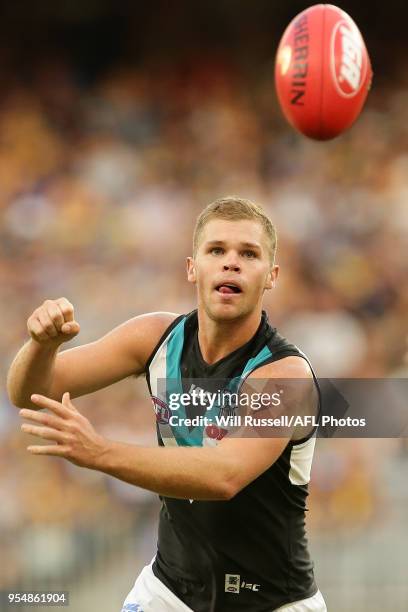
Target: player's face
{"points": [[232, 268]]}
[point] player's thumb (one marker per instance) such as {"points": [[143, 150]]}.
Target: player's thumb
{"points": [[66, 401], [70, 328]]}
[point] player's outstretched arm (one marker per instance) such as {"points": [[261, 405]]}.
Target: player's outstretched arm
{"points": [[200, 473], [40, 367]]}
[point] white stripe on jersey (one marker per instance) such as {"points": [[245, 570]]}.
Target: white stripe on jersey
{"points": [[301, 458], [158, 372]]}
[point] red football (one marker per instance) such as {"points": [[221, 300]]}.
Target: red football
{"points": [[322, 72]]}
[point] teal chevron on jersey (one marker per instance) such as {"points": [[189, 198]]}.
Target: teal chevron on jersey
{"points": [[171, 383]]}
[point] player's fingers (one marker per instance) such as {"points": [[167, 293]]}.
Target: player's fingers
{"points": [[56, 407], [50, 449], [55, 313], [47, 433], [66, 401], [49, 420], [67, 308], [47, 323], [71, 327], [36, 329]]}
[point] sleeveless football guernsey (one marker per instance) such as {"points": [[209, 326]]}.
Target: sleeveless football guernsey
{"points": [[249, 553]]}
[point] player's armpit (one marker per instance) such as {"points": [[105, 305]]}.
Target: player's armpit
{"points": [[122, 352]]}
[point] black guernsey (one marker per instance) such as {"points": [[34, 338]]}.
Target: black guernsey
{"points": [[249, 553]]}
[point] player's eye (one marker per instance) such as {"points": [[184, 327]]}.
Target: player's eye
{"points": [[216, 250], [250, 254]]}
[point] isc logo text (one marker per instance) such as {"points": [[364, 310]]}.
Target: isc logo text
{"points": [[233, 584]]}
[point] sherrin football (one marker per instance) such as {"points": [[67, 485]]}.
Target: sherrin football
{"points": [[322, 72]]}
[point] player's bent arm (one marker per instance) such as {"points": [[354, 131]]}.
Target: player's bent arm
{"points": [[197, 473], [124, 351], [220, 472], [201, 473]]}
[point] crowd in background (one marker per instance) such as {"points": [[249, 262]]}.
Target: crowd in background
{"points": [[100, 186]]}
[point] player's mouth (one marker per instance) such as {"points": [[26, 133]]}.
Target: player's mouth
{"points": [[228, 288]]}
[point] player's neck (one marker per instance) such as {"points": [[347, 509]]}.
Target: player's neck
{"points": [[218, 339]]}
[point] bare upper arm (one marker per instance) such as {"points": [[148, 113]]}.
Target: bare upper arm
{"points": [[291, 380], [253, 450], [122, 352]]}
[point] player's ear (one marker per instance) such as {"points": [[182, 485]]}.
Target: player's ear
{"points": [[191, 274], [271, 278]]}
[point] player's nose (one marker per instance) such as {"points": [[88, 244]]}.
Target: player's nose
{"points": [[232, 264]]}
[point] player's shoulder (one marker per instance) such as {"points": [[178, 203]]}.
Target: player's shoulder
{"points": [[292, 366], [159, 319], [141, 334], [152, 325], [291, 376]]}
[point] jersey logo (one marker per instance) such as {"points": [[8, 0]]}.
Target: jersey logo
{"points": [[161, 410], [233, 584], [215, 433]]}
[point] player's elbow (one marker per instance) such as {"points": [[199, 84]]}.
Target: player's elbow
{"points": [[228, 487], [219, 489], [15, 398], [22, 402], [223, 492], [18, 399], [230, 479]]}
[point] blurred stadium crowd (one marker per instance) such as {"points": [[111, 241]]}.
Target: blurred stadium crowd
{"points": [[100, 185]]}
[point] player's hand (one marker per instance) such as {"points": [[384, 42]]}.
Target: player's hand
{"points": [[53, 322], [72, 435]]}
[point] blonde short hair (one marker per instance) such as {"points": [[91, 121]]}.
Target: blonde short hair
{"points": [[233, 208]]}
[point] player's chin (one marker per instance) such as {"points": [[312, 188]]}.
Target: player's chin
{"points": [[227, 311]]}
